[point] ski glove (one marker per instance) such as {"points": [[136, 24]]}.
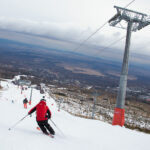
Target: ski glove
{"points": [[47, 116]]}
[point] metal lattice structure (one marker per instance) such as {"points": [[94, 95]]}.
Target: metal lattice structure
{"points": [[139, 20]]}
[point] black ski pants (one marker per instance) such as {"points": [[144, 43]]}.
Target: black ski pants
{"points": [[44, 125]]}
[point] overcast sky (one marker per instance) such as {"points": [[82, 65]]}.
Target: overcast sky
{"points": [[63, 24]]}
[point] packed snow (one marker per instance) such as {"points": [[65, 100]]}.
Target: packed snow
{"points": [[76, 133]]}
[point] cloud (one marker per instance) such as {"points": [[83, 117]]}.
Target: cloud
{"points": [[29, 33], [56, 31], [68, 36], [36, 28]]}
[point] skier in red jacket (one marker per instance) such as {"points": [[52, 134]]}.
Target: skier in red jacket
{"points": [[42, 115]]}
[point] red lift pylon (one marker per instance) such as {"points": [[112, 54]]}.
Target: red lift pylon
{"points": [[135, 21]]}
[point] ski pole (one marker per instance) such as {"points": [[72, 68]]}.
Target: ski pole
{"points": [[57, 127], [18, 122]]}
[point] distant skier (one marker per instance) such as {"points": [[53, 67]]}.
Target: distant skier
{"points": [[25, 101], [42, 115]]}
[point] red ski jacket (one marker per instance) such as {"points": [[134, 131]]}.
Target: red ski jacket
{"points": [[42, 111]]}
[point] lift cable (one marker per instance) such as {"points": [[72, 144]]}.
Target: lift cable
{"points": [[82, 43], [110, 45], [90, 36]]}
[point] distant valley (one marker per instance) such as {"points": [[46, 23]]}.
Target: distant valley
{"points": [[66, 67]]}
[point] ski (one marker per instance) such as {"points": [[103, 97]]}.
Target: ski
{"points": [[50, 135], [38, 128]]}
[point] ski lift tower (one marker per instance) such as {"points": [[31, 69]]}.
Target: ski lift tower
{"points": [[135, 21]]}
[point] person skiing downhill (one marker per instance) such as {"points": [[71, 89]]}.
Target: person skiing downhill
{"points": [[25, 101], [42, 115]]}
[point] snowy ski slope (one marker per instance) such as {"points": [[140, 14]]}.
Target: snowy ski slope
{"points": [[80, 134]]}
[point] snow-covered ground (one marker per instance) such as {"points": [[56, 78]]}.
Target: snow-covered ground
{"points": [[79, 133]]}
